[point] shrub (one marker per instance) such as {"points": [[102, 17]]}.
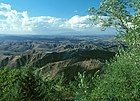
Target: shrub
{"points": [[121, 79]]}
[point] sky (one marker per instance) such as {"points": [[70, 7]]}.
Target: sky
{"points": [[48, 17]]}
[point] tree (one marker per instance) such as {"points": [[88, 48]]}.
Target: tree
{"points": [[120, 14], [120, 80], [30, 86]]}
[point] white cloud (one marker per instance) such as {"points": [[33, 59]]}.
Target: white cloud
{"points": [[5, 7], [78, 22], [14, 22]]}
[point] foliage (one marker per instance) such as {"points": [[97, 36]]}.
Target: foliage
{"points": [[27, 85], [30, 86], [120, 14], [120, 80], [7, 83], [81, 87]]}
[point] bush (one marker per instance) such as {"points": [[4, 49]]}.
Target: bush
{"points": [[8, 79], [27, 85], [121, 79]]}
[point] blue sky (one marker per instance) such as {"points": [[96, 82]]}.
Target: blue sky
{"points": [[47, 17], [56, 8]]}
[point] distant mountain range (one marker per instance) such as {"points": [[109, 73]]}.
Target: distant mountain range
{"points": [[57, 54], [47, 37]]}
